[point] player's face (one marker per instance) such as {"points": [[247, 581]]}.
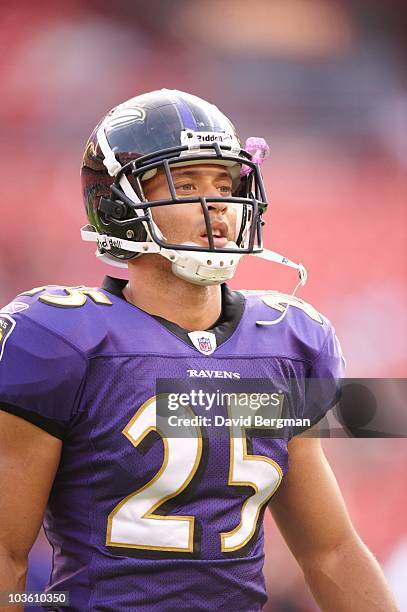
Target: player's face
{"points": [[182, 223]]}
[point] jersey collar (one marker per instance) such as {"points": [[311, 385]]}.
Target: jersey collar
{"points": [[233, 304]]}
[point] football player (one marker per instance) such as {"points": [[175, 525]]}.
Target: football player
{"points": [[141, 518]]}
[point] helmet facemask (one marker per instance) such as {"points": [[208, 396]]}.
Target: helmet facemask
{"points": [[248, 205]]}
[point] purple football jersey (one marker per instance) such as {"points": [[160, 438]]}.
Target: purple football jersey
{"points": [[138, 519]]}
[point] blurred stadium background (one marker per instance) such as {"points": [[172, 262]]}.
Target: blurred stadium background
{"points": [[325, 82]]}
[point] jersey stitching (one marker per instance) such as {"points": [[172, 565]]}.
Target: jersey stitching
{"points": [[328, 335], [213, 356], [193, 351]]}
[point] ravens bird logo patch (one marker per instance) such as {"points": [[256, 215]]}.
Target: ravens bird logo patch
{"points": [[7, 324]]}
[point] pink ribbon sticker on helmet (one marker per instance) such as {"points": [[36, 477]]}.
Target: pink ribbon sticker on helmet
{"points": [[258, 149]]}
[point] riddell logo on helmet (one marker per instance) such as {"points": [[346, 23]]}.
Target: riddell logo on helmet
{"points": [[189, 137], [107, 242], [213, 137]]}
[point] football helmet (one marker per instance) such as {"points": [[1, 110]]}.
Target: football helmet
{"points": [[155, 132]]}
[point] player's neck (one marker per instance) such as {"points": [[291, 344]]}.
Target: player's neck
{"points": [[153, 288]]}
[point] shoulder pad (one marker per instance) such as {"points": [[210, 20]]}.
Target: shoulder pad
{"points": [[300, 334], [76, 314]]}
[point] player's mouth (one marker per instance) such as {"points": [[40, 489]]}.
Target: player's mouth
{"points": [[219, 233]]}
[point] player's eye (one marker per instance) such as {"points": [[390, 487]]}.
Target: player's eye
{"points": [[225, 189], [184, 187]]}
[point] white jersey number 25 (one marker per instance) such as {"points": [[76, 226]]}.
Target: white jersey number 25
{"points": [[134, 523]]}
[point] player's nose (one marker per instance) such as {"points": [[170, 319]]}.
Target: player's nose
{"points": [[218, 207]]}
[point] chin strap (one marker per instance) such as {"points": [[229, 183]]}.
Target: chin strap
{"points": [[302, 272], [201, 268], [277, 258]]}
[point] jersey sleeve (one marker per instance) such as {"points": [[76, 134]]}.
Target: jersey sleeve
{"points": [[322, 388], [41, 374]]}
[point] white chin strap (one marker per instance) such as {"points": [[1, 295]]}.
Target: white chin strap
{"points": [[302, 272], [214, 268], [203, 268], [200, 268], [280, 259]]}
